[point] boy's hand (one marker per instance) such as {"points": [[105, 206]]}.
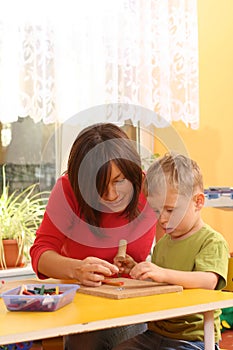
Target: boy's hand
{"points": [[147, 270], [124, 265]]}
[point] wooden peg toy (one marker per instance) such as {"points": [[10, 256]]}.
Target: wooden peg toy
{"points": [[122, 249]]}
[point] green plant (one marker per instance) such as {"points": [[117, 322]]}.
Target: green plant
{"points": [[148, 160], [21, 213]]}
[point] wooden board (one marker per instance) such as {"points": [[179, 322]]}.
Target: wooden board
{"points": [[130, 289]]}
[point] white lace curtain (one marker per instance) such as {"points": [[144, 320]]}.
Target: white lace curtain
{"points": [[59, 58]]}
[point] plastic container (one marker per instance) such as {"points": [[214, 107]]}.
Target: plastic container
{"points": [[15, 301]]}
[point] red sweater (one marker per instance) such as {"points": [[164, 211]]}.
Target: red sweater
{"points": [[63, 231]]}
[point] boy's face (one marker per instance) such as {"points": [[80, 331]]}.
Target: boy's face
{"points": [[177, 214]]}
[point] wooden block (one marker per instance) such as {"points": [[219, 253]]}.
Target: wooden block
{"points": [[37, 345], [53, 343], [130, 289]]}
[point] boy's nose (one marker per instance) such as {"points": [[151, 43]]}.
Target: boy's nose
{"points": [[163, 217]]}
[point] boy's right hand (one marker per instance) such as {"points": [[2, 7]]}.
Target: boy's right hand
{"points": [[124, 265]]}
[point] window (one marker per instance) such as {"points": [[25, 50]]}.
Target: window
{"points": [[30, 154]]}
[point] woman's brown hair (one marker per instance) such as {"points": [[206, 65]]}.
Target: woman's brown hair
{"points": [[89, 168]]}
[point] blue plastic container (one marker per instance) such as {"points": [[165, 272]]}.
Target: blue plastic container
{"points": [[15, 301]]}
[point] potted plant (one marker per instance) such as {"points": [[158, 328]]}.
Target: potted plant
{"points": [[20, 215]]}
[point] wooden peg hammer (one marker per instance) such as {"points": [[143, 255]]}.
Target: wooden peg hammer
{"points": [[122, 249]]}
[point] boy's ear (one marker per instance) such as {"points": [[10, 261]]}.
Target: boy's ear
{"points": [[199, 199]]}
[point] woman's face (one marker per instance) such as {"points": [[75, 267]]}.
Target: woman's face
{"points": [[119, 191]]}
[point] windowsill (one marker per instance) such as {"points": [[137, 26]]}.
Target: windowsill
{"points": [[17, 273], [221, 202]]}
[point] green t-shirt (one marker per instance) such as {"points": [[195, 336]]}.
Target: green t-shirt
{"points": [[205, 250]]}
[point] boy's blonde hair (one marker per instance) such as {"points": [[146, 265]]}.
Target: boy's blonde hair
{"points": [[176, 170]]}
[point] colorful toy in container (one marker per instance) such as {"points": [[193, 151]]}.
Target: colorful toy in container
{"points": [[17, 346], [226, 319]]}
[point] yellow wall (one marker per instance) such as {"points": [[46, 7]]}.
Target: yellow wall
{"points": [[212, 144]]}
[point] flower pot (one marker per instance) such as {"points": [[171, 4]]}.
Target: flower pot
{"points": [[11, 253]]}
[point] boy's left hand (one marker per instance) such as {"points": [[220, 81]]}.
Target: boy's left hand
{"points": [[147, 270]]}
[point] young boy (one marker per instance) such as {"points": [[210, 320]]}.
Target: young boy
{"points": [[190, 253]]}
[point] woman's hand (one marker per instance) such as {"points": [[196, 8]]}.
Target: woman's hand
{"points": [[91, 271], [124, 265]]}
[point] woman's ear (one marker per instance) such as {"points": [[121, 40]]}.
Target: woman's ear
{"points": [[144, 186], [144, 191], [199, 199]]}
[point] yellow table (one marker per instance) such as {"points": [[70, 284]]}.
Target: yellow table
{"points": [[88, 313]]}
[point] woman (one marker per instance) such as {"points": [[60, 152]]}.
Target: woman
{"points": [[97, 202]]}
